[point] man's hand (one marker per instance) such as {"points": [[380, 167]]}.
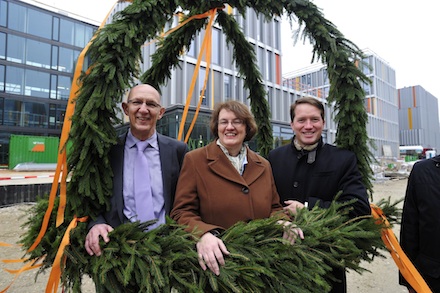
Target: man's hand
{"points": [[291, 232], [92, 238], [292, 207], [210, 250]]}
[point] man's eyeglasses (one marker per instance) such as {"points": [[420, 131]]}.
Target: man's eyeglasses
{"points": [[139, 103], [235, 122]]}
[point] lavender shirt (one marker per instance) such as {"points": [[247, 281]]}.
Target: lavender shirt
{"points": [[153, 157]]}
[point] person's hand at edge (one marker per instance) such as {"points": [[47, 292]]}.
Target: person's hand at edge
{"points": [[210, 250], [92, 238], [291, 231]]}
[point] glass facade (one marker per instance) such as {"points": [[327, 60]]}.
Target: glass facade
{"points": [[380, 101], [38, 52], [224, 81]]}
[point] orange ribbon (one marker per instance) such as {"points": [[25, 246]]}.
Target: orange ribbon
{"points": [[55, 273], [406, 268], [206, 46], [27, 267]]}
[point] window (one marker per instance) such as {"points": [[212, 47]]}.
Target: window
{"points": [[3, 12], [2, 46], [269, 66], [56, 29], [12, 112], [277, 35], [15, 49], [80, 35], [65, 60], [2, 78], [66, 31], [17, 17], [54, 62], [216, 50], [228, 86], [37, 54], [36, 83], [34, 114], [14, 80], [63, 88], [206, 97], [39, 24], [56, 116]]}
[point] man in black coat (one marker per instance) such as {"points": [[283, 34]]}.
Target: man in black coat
{"points": [[308, 171], [164, 156], [420, 228]]}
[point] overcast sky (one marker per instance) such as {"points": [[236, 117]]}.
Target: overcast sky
{"points": [[402, 33]]}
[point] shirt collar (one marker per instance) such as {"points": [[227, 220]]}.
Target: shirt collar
{"points": [[132, 141]]}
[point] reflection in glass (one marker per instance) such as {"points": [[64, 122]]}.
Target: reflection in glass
{"points": [[66, 31], [2, 46], [36, 83], [39, 23], [65, 60], [14, 80], [15, 49], [37, 54], [17, 17]]}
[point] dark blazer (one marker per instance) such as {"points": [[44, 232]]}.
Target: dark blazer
{"points": [[420, 228], [332, 171], [211, 194], [171, 152]]}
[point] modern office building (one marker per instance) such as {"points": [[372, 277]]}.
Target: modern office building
{"points": [[224, 81], [381, 101], [418, 118], [39, 46]]}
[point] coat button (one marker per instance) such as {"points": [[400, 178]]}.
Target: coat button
{"points": [[245, 190], [295, 184]]}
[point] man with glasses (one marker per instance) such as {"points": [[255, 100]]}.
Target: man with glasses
{"points": [[144, 177]]}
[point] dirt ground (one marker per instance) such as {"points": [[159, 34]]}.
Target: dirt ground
{"points": [[383, 276]]}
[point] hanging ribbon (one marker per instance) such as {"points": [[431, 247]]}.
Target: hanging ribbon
{"points": [[55, 273], [204, 48], [406, 268], [207, 45]]}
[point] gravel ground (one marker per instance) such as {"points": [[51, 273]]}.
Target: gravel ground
{"points": [[383, 276]]}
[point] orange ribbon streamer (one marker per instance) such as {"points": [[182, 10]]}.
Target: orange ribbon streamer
{"points": [[55, 273], [26, 267], [406, 268], [206, 44]]}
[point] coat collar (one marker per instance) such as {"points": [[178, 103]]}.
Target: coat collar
{"points": [[219, 164]]}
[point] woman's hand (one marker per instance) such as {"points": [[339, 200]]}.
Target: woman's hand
{"points": [[211, 250], [291, 231]]}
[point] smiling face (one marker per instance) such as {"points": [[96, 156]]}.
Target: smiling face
{"points": [[231, 131], [143, 110], [307, 124]]}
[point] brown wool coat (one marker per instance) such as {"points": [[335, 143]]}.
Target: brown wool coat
{"points": [[211, 194]]}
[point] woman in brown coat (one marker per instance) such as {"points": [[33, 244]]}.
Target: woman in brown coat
{"points": [[223, 183]]}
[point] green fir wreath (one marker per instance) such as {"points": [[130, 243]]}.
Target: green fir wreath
{"points": [[163, 259]]}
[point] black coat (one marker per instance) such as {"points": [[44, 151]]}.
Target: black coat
{"points": [[332, 171], [420, 229]]}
